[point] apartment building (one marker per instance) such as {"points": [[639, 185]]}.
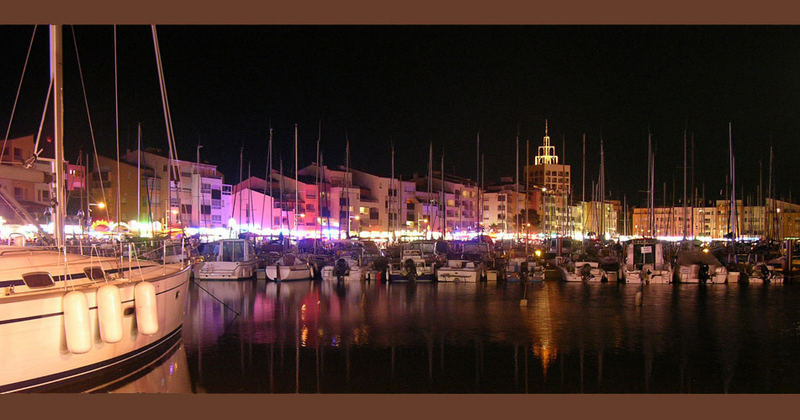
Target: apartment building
{"points": [[191, 194]]}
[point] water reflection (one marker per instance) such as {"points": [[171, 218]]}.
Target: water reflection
{"points": [[366, 337], [169, 375]]}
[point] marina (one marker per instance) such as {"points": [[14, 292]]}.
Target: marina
{"points": [[476, 338], [384, 261]]}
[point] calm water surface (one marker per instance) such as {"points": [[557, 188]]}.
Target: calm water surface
{"points": [[309, 337]]}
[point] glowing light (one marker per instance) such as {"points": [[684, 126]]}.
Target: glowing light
{"points": [[101, 205], [538, 252]]}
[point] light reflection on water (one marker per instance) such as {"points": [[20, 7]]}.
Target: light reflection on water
{"points": [[454, 338]]}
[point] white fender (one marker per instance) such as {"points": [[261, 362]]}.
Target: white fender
{"points": [[109, 313], [76, 322], [144, 297]]}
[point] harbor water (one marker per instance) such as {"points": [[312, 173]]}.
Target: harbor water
{"points": [[547, 337]]}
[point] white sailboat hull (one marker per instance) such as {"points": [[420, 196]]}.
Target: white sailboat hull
{"points": [[289, 272], [34, 353]]}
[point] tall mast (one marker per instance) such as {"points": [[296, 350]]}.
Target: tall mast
{"points": [[239, 187], [269, 171], [650, 173], [692, 188], [347, 180], [583, 171], [770, 195], [118, 203], [685, 205], [760, 201], [56, 67], [392, 197], [318, 181], [527, 189], [602, 191], [478, 209], [139, 172], [483, 183], [430, 184], [732, 163], [583, 189], [249, 197], [444, 202], [296, 193], [280, 189], [516, 188], [267, 178]]}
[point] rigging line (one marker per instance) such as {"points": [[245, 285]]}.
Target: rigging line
{"points": [[41, 122], [167, 115], [88, 116], [19, 88]]}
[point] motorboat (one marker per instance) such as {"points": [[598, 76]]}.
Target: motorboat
{"points": [[416, 262], [231, 259], [645, 262], [347, 266]]}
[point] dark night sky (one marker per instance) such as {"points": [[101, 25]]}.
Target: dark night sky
{"points": [[411, 85]]}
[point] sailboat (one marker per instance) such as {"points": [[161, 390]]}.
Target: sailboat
{"points": [[645, 261], [69, 321], [290, 266]]}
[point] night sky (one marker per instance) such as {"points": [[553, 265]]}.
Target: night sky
{"points": [[412, 85]]}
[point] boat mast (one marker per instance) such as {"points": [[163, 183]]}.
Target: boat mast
{"points": [[118, 203], [296, 193], [347, 180], [527, 190], [430, 185], [583, 190], [650, 173], [318, 181], [602, 192], [478, 209], [138, 172], [444, 202], [56, 76], [732, 165], [685, 168], [239, 187], [280, 190], [516, 186], [392, 192]]}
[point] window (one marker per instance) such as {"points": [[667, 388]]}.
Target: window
{"points": [[501, 197], [343, 201], [310, 207], [186, 208], [216, 218], [501, 207], [44, 195], [18, 193], [216, 204], [205, 209], [373, 213], [232, 251]]}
